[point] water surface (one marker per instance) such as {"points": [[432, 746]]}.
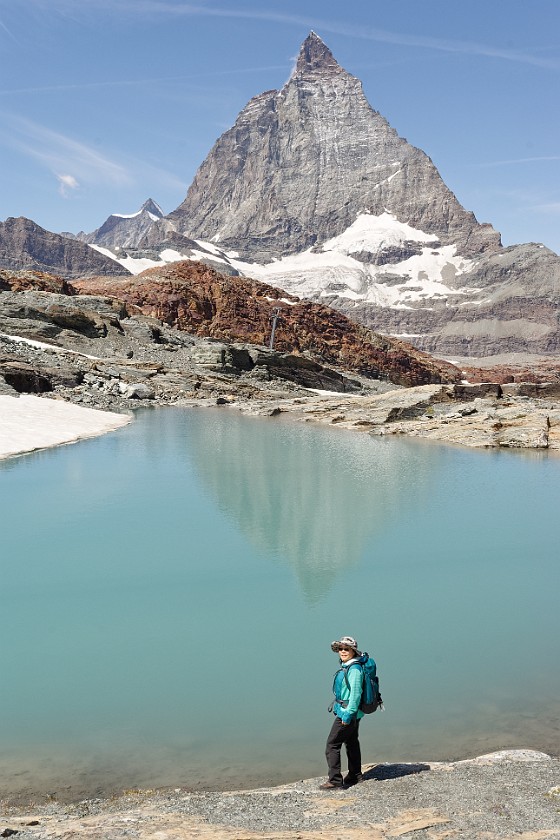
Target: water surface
{"points": [[170, 591]]}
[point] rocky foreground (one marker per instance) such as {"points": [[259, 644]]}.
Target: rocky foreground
{"points": [[170, 338], [513, 794]]}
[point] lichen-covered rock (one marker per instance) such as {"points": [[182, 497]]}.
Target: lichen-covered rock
{"points": [[41, 281]]}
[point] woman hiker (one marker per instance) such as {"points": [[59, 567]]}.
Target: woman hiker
{"points": [[347, 688]]}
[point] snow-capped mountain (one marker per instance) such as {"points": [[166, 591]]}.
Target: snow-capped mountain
{"points": [[313, 191], [124, 231], [302, 163], [403, 282]]}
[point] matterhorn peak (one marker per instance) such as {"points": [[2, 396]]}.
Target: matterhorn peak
{"points": [[315, 55], [303, 163]]}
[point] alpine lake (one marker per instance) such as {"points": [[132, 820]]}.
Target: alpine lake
{"points": [[170, 592]]}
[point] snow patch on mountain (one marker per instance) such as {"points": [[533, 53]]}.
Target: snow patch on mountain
{"points": [[124, 230], [135, 265], [152, 216], [150, 207], [373, 233]]}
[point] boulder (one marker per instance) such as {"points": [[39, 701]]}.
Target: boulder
{"points": [[532, 389], [136, 391], [73, 318], [529, 432], [479, 389]]}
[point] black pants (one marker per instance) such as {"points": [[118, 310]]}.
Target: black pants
{"points": [[343, 734]]}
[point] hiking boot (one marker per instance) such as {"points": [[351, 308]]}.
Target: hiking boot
{"points": [[330, 786], [349, 781]]}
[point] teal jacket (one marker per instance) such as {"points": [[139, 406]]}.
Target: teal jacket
{"points": [[350, 698]]}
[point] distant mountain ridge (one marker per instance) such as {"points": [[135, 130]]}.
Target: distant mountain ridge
{"points": [[26, 245]]}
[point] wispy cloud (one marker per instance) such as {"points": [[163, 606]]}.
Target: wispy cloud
{"points": [[116, 83], [181, 9], [152, 173], [9, 32], [67, 184], [74, 163], [60, 153], [177, 8], [516, 161], [552, 208]]}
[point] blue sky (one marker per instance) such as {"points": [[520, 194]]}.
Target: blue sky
{"points": [[104, 103]]}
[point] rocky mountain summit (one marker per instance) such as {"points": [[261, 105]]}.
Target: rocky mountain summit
{"points": [[124, 231], [302, 163]]}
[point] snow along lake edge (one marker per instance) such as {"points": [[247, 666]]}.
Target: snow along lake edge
{"points": [[28, 423]]}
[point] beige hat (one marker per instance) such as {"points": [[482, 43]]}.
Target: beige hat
{"points": [[345, 641]]}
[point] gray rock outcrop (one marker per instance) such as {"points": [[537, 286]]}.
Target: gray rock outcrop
{"points": [[99, 352], [511, 793]]}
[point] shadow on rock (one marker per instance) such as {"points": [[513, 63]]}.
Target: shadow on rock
{"points": [[382, 772]]}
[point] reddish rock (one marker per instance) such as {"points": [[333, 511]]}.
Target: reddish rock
{"points": [[197, 299], [39, 281], [538, 372]]}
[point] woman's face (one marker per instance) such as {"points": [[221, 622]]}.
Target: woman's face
{"points": [[346, 653]]}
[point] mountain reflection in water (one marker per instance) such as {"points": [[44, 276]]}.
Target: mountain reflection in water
{"points": [[312, 500]]}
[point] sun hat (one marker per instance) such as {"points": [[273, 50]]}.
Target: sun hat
{"points": [[345, 641]]}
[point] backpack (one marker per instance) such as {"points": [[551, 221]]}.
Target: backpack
{"points": [[371, 698]]}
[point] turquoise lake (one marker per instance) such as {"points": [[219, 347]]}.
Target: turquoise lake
{"points": [[170, 592]]}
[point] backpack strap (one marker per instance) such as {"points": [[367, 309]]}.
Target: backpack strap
{"points": [[346, 668]]}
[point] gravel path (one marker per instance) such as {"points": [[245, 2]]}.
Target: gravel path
{"points": [[513, 794]]}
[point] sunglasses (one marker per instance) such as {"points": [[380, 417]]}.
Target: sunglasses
{"points": [[347, 650]]}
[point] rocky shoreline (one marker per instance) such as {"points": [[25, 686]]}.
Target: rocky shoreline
{"points": [[497, 796], [524, 416], [487, 415]]}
